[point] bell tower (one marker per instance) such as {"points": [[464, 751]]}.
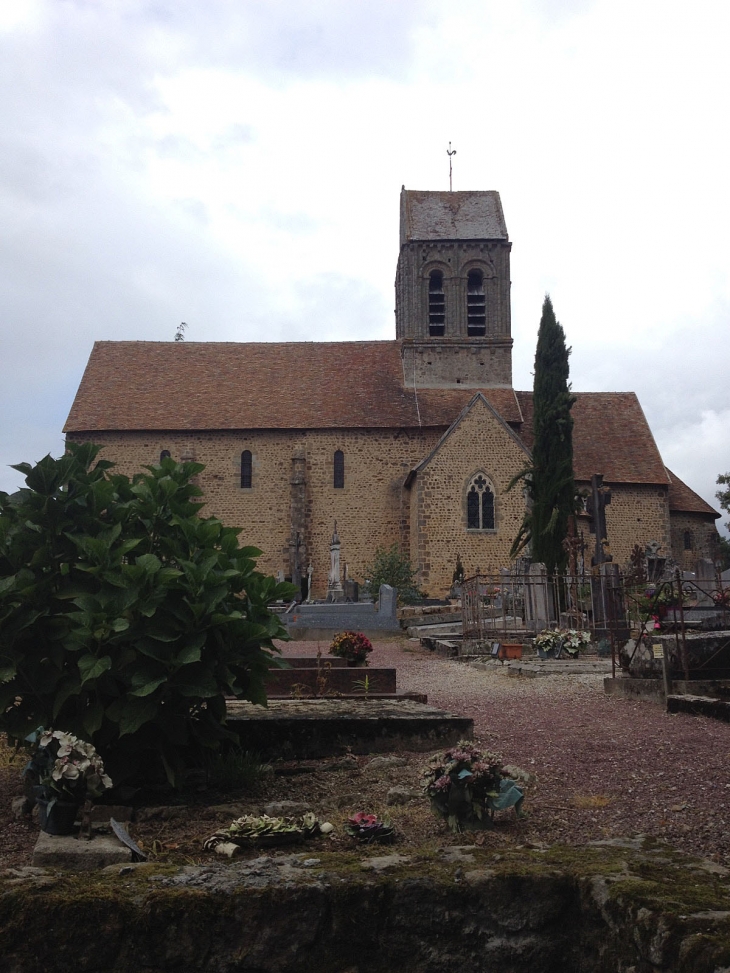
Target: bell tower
{"points": [[452, 290]]}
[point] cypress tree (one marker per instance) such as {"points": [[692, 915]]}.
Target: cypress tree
{"points": [[549, 480]]}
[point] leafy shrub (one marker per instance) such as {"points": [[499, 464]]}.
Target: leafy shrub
{"points": [[392, 566], [125, 616]]}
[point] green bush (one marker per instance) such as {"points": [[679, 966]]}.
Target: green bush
{"points": [[125, 616], [391, 566]]}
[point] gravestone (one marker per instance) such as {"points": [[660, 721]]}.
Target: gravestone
{"points": [[706, 583], [538, 598], [334, 584], [388, 602]]}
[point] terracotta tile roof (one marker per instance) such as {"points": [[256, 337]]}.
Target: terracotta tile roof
{"points": [[260, 385], [610, 436], [451, 216], [684, 500]]}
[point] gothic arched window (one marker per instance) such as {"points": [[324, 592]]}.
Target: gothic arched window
{"points": [[476, 304], [165, 454], [436, 304], [688, 540], [480, 504], [246, 468], [339, 477]]}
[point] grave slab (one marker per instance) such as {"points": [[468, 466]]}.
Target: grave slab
{"points": [[79, 855], [311, 728]]}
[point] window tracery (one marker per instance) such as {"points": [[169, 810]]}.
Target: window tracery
{"points": [[480, 504]]}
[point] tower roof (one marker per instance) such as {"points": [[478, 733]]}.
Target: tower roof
{"points": [[451, 216]]}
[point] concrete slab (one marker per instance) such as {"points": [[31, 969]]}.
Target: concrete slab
{"points": [[718, 709], [311, 728], [79, 855]]}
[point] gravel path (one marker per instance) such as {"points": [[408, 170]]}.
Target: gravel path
{"points": [[604, 766]]}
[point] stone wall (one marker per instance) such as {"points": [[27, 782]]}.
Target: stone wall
{"points": [[479, 443], [700, 531], [637, 514], [371, 510]]}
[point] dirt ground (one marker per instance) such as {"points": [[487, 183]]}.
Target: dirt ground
{"points": [[601, 766]]}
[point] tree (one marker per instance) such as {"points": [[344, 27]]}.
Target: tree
{"points": [[549, 479], [724, 495], [391, 566], [125, 616]]}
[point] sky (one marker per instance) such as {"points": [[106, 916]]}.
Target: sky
{"points": [[237, 165]]}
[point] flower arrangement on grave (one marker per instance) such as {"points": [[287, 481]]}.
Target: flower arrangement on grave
{"points": [[575, 640], [467, 785], [64, 772], [368, 828], [253, 830], [352, 646], [559, 640], [548, 641], [722, 598]]}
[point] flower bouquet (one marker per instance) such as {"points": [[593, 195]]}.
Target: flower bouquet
{"points": [[467, 785], [368, 828], [555, 642], [64, 771], [352, 646], [262, 831]]}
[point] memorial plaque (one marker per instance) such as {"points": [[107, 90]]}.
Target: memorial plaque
{"points": [[658, 650]]}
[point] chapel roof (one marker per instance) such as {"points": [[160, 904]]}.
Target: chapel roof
{"points": [[610, 436], [684, 500], [155, 385], [451, 216]]}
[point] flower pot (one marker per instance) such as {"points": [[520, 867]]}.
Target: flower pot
{"points": [[59, 819], [510, 650]]}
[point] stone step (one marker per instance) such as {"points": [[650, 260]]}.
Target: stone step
{"points": [[437, 630], [313, 728], [718, 709]]}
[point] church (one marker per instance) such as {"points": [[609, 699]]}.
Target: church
{"points": [[410, 442]]}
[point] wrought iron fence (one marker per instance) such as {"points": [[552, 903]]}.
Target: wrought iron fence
{"points": [[611, 604]]}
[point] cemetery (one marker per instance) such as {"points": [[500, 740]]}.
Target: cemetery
{"points": [[395, 783]]}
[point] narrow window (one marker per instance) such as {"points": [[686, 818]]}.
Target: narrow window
{"points": [[246, 469], [476, 304], [688, 540], [487, 509], [472, 509], [436, 304], [339, 479], [165, 454], [480, 504]]}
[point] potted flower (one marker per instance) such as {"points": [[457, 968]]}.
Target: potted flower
{"points": [[548, 644], [352, 646], [369, 828], [467, 785], [574, 641], [64, 771]]}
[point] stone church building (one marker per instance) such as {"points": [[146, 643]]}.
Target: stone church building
{"points": [[411, 441]]}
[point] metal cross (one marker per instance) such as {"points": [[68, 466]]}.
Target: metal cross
{"points": [[449, 152]]}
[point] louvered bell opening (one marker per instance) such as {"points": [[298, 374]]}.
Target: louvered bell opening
{"points": [[476, 304], [436, 304]]}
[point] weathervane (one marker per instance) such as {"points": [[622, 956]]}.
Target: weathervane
{"points": [[450, 152]]}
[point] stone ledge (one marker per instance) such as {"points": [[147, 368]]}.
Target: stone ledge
{"points": [[77, 854]]}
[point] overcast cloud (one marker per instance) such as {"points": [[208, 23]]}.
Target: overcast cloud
{"points": [[237, 166]]}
